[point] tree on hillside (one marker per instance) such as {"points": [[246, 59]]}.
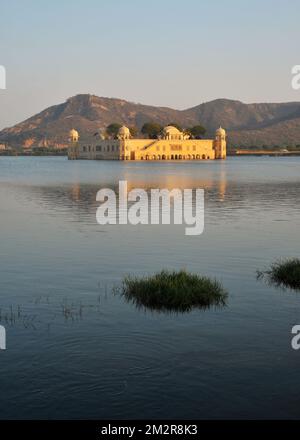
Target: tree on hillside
{"points": [[197, 131], [133, 131], [151, 129], [113, 129]]}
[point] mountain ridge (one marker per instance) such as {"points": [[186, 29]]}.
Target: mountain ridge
{"points": [[256, 124]]}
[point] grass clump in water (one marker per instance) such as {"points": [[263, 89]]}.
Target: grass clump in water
{"points": [[173, 291], [283, 273]]}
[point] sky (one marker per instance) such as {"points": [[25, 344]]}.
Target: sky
{"points": [[159, 52]]}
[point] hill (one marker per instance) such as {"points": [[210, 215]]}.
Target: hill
{"points": [[247, 124]]}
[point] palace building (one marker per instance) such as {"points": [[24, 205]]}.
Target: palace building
{"points": [[171, 145]]}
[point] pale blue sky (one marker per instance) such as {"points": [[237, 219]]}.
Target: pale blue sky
{"points": [[171, 53]]}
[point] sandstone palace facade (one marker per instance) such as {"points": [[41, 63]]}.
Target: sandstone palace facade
{"points": [[171, 145]]}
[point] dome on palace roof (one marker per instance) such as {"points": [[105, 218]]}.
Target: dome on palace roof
{"points": [[124, 130], [124, 133], [170, 129], [220, 131], [74, 133]]}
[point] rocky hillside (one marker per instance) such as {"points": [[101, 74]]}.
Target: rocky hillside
{"points": [[247, 124]]}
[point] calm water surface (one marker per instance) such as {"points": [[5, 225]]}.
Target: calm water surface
{"points": [[75, 350]]}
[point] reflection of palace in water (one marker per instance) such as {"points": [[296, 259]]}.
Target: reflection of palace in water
{"points": [[79, 198], [224, 197], [173, 144], [83, 196]]}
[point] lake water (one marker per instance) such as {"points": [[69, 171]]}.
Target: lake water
{"points": [[75, 350]]}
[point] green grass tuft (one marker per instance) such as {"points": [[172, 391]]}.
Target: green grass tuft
{"points": [[283, 273], [173, 291]]}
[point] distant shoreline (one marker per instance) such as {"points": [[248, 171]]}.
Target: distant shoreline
{"points": [[241, 153]]}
